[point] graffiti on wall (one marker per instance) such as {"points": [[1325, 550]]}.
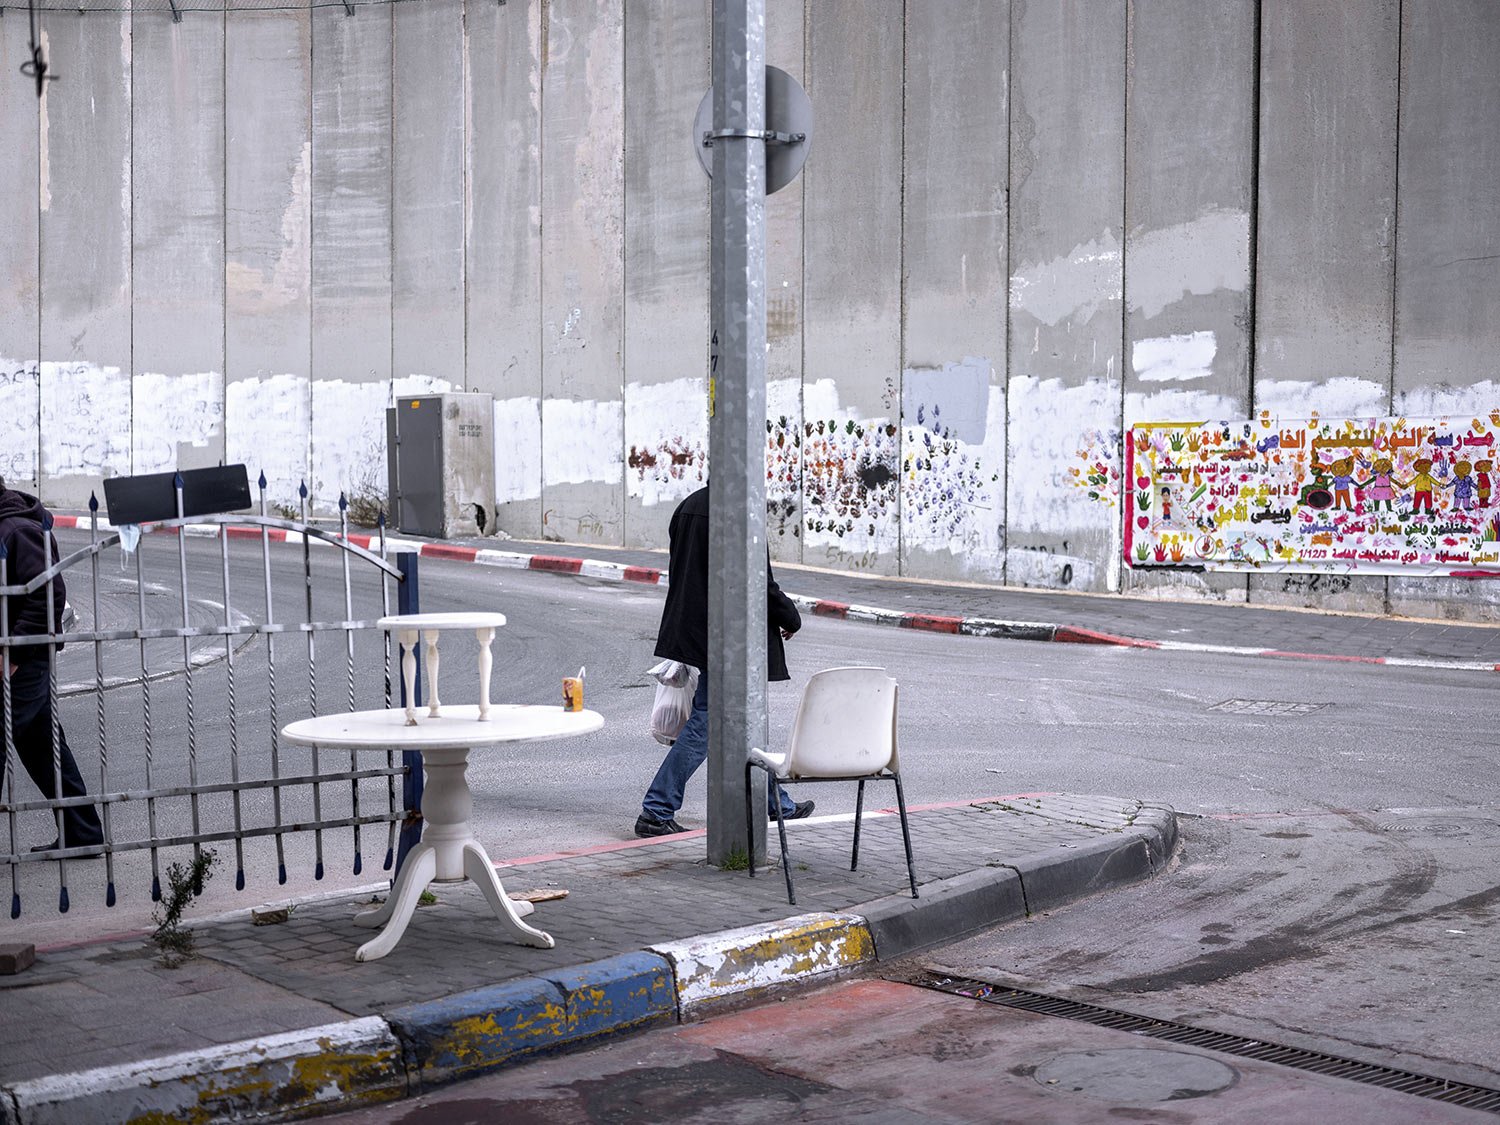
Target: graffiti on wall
{"points": [[1369, 496]]}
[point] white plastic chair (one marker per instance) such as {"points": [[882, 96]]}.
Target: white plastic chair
{"points": [[845, 730]]}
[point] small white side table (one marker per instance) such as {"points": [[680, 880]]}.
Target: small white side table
{"points": [[407, 626], [449, 851]]}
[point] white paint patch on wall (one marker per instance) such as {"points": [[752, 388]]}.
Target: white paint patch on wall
{"points": [[20, 432], [348, 448], [582, 442], [1475, 400], [1204, 255], [1344, 397], [518, 449], [667, 424], [1171, 404], [1049, 423], [267, 422], [85, 420], [957, 504], [171, 411], [1167, 359], [1072, 286]]}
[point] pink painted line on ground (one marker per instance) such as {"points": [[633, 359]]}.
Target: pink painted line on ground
{"points": [[1324, 656]]}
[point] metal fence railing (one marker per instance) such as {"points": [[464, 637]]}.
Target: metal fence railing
{"points": [[188, 657]]}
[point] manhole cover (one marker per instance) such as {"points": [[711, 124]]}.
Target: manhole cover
{"points": [[1267, 707], [1448, 827], [1136, 1076]]}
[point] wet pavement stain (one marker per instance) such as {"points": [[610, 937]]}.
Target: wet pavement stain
{"points": [[667, 1093]]}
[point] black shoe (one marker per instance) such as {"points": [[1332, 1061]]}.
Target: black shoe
{"points": [[650, 826], [801, 812]]}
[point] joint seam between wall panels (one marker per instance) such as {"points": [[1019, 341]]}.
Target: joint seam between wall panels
{"points": [[624, 279], [1010, 238], [1119, 515], [902, 283], [1395, 235]]}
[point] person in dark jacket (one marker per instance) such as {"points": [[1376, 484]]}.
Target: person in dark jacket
{"points": [[683, 636], [29, 550]]}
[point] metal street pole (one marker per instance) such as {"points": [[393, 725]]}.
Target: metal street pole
{"points": [[737, 425]]}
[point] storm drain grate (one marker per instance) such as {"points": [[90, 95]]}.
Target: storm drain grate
{"points": [[1266, 707], [1390, 1078]]}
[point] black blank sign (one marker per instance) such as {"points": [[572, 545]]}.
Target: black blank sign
{"points": [[153, 497]]}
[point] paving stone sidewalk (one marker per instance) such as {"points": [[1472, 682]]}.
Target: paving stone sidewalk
{"points": [[113, 1003]]}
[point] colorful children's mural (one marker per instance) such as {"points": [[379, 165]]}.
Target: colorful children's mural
{"points": [[1368, 496]]}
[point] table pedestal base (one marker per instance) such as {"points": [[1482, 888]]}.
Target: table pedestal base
{"points": [[449, 853]]}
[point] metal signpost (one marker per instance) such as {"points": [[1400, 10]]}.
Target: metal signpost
{"points": [[738, 139]]}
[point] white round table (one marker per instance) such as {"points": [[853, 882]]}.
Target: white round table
{"points": [[406, 626], [449, 851]]}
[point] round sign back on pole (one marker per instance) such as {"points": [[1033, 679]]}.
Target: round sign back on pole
{"points": [[789, 121]]}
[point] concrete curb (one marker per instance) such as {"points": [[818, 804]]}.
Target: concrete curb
{"points": [[457, 1036], [821, 607], [740, 964], [298, 1074], [415, 1047]]}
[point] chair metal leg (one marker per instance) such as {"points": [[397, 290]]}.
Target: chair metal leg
{"points": [[749, 822], [911, 871], [859, 808], [786, 862]]}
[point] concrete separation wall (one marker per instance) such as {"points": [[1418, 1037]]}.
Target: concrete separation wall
{"points": [[1024, 227]]}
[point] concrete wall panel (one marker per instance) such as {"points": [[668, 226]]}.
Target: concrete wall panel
{"points": [[20, 285], [177, 187], [954, 231], [852, 346], [427, 204], [1067, 188], [1325, 232], [504, 246], [85, 254], [1448, 240], [1327, 206], [583, 200], [785, 47], [1189, 192], [268, 246], [666, 263], [351, 251], [786, 43]]}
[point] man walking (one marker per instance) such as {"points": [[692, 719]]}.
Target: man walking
{"points": [[683, 636], [27, 552]]}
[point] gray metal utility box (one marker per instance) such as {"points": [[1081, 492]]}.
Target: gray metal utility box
{"points": [[442, 464]]}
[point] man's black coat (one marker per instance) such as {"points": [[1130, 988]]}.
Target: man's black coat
{"points": [[684, 619]]}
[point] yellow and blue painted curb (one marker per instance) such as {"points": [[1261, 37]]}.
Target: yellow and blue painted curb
{"points": [[413, 1048]]}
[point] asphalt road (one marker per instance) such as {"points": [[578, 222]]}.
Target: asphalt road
{"points": [[1337, 891]]}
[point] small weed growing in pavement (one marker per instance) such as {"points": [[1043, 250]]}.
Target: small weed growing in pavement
{"points": [[184, 883], [737, 860], [367, 499], [427, 898]]}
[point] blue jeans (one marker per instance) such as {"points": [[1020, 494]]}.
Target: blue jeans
{"points": [[664, 797]]}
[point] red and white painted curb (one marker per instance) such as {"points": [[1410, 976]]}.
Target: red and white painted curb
{"points": [[820, 607]]}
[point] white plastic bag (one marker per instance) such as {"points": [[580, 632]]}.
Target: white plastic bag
{"points": [[676, 684]]}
